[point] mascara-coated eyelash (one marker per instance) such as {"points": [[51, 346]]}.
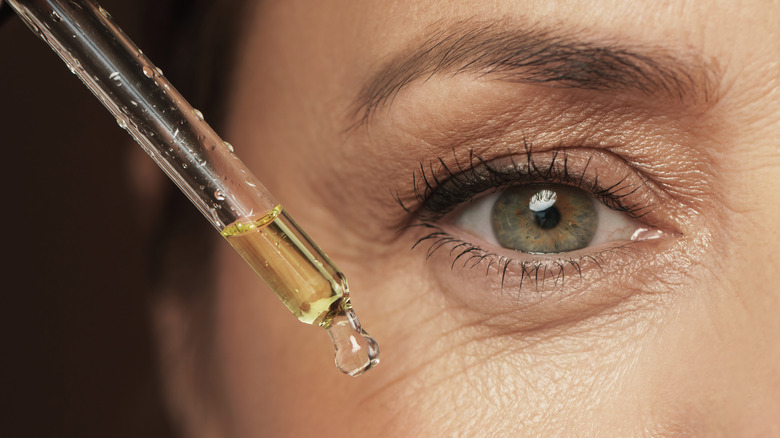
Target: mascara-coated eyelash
{"points": [[439, 188]]}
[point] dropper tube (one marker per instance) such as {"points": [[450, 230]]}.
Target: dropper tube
{"points": [[204, 167]]}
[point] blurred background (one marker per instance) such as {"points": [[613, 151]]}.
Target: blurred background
{"points": [[79, 354]]}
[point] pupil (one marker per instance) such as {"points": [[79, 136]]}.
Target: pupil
{"points": [[547, 219]]}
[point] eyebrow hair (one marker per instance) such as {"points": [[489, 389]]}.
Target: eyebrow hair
{"points": [[540, 57]]}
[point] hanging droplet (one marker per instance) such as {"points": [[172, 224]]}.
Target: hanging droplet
{"points": [[198, 114], [356, 351], [121, 122], [218, 195], [158, 71], [148, 72], [229, 146]]}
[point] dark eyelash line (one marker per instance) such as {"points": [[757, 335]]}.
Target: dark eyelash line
{"points": [[437, 196], [528, 269]]}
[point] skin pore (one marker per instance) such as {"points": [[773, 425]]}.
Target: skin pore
{"points": [[356, 114]]}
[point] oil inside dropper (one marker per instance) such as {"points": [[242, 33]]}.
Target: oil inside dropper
{"points": [[307, 282]]}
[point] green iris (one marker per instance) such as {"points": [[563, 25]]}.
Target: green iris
{"points": [[544, 218]]}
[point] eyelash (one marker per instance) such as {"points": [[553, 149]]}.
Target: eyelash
{"points": [[438, 195], [439, 190]]}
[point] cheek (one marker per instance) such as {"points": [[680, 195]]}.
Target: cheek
{"points": [[457, 370], [455, 375], [423, 381]]}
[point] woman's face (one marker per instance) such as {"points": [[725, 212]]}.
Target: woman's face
{"points": [[391, 131]]}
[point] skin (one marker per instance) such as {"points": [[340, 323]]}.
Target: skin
{"points": [[675, 337]]}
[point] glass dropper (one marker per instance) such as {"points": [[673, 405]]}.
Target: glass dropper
{"points": [[204, 167]]}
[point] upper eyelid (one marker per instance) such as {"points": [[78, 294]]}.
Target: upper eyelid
{"points": [[436, 197]]}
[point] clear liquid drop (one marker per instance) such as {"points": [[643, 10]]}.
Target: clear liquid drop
{"points": [[55, 17], [121, 122], [218, 195], [116, 78], [229, 146], [198, 114], [356, 351], [148, 72]]}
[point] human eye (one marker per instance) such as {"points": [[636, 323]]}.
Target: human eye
{"points": [[539, 218], [538, 215]]}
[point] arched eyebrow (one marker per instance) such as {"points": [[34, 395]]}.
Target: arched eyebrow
{"points": [[544, 57]]}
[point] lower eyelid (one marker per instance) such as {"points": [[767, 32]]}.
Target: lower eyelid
{"points": [[488, 251], [525, 290]]}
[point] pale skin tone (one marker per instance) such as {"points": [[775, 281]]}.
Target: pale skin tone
{"points": [[673, 336]]}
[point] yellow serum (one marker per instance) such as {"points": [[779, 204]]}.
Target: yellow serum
{"points": [[307, 282], [292, 266]]}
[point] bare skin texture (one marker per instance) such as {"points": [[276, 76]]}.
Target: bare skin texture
{"points": [[341, 107]]}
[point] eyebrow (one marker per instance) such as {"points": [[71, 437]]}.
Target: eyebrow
{"points": [[541, 57]]}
